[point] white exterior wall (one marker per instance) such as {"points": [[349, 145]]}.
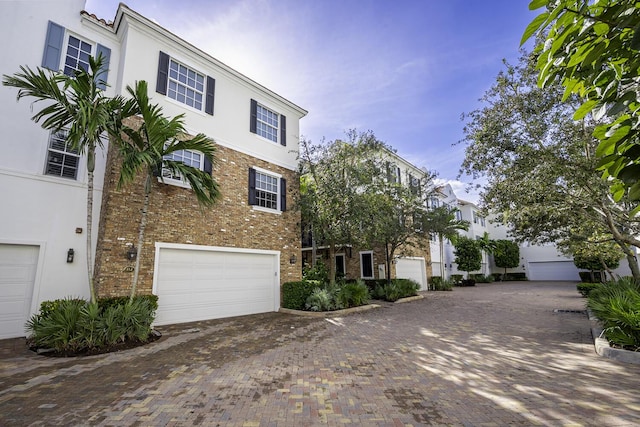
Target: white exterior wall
{"points": [[229, 125], [41, 209]]}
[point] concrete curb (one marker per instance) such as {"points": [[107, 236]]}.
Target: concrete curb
{"points": [[603, 348], [328, 313], [409, 299]]}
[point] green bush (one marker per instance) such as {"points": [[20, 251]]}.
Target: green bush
{"points": [[398, 288], [295, 294], [617, 305], [321, 299], [73, 325], [437, 284], [456, 278], [319, 272], [497, 277], [481, 278], [352, 294], [515, 276], [586, 288]]}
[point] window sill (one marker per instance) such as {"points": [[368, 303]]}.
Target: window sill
{"points": [[267, 210], [174, 182], [185, 106]]}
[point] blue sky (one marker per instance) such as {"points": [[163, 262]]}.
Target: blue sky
{"points": [[405, 69]]}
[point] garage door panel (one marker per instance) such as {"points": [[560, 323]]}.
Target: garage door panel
{"points": [[208, 284], [414, 269], [553, 270], [18, 266]]}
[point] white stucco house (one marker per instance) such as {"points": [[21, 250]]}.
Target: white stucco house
{"points": [[43, 181]]}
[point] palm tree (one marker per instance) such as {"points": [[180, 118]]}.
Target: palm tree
{"points": [[78, 104], [443, 223], [487, 246], [147, 148]]}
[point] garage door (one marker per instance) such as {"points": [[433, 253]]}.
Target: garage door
{"points": [[208, 283], [414, 269], [553, 270], [18, 265]]}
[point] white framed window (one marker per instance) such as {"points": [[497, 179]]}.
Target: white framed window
{"points": [[366, 265], [77, 55], [267, 124], [188, 157], [185, 85], [62, 158], [267, 190], [458, 215]]}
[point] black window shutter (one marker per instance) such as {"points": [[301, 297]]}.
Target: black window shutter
{"points": [[283, 194], [253, 119], [53, 46], [208, 166], [211, 90], [157, 170], [163, 73], [252, 186], [283, 130]]}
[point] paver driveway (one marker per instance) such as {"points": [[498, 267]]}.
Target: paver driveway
{"points": [[492, 355]]}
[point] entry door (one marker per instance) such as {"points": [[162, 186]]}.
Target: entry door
{"points": [[340, 270]]}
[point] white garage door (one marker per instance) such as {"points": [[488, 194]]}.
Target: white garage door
{"points": [[414, 269], [18, 265], [553, 270], [209, 283]]}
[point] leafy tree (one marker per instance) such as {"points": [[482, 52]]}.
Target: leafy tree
{"points": [[593, 49], [334, 176], [487, 246], [147, 149], [540, 164], [468, 255], [592, 252], [443, 223], [78, 104], [506, 254], [394, 213]]}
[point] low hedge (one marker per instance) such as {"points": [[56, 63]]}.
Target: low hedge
{"points": [[295, 294], [586, 288]]}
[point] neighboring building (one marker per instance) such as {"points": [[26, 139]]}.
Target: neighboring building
{"points": [[243, 248], [369, 263]]}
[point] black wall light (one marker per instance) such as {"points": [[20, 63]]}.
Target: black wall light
{"points": [[70, 254], [132, 253]]}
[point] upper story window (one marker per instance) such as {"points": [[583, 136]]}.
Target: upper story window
{"points": [[433, 202], [478, 219], [62, 159], [393, 173], [76, 55], [185, 84], [268, 123], [458, 215], [267, 190], [414, 184]]}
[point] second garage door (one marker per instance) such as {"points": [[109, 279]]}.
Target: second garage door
{"points": [[414, 269], [199, 283], [18, 265], [553, 270]]}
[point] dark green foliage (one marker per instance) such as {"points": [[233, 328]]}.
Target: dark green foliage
{"points": [[591, 276], [586, 288], [515, 276], [75, 325], [456, 279], [617, 305], [437, 284], [116, 301], [497, 277], [506, 254], [481, 278], [468, 254], [353, 295], [396, 289], [295, 294], [321, 299], [319, 272]]}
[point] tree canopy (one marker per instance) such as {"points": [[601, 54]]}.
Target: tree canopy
{"points": [[593, 49], [540, 164], [468, 254]]}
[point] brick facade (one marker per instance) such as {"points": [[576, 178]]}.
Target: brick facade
{"points": [[176, 217]]}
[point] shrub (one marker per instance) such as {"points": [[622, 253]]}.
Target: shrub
{"points": [[515, 276], [456, 278], [74, 325], [497, 277], [398, 288], [320, 299], [437, 284], [319, 272], [617, 305], [352, 294], [586, 288], [481, 278], [295, 294]]}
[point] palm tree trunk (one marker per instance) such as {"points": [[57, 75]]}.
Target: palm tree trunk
{"points": [[143, 226], [90, 168]]}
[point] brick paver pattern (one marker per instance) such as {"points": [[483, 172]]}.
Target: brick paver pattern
{"points": [[493, 355]]}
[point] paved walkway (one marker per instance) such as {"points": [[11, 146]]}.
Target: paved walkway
{"points": [[493, 355]]}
